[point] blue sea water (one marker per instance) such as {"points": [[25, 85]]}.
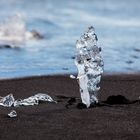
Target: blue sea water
{"points": [[62, 22]]}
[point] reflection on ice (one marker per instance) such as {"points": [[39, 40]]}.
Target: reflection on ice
{"points": [[90, 66]]}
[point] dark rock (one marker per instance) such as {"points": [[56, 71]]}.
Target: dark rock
{"points": [[119, 99], [81, 106]]}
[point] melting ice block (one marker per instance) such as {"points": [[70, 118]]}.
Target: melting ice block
{"points": [[90, 66], [7, 101]]}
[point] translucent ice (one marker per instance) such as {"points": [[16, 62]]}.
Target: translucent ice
{"points": [[34, 100], [26, 102], [12, 31], [90, 66], [7, 101], [12, 114]]}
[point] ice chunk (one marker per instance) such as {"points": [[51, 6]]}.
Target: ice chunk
{"points": [[17, 103], [26, 102], [12, 114], [34, 100], [72, 76], [12, 31], [7, 101], [44, 97], [33, 35], [89, 63]]}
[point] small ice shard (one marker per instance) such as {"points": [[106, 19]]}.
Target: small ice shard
{"points": [[7, 101], [90, 66], [72, 76], [34, 100], [12, 31], [12, 114]]}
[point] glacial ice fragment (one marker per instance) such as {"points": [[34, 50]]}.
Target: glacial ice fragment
{"points": [[90, 66], [34, 100], [7, 101], [12, 114], [72, 76], [12, 31], [26, 102]]}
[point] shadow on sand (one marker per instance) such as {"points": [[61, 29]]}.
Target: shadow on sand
{"points": [[112, 101]]}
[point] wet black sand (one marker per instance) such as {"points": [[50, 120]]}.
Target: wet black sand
{"points": [[51, 121]]}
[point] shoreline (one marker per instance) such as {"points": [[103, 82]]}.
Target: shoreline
{"points": [[117, 75]]}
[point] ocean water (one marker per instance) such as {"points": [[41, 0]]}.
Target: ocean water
{"points": [[62, 22]]}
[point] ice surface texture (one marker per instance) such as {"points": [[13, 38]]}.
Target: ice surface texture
{"points": [[90, 66]]}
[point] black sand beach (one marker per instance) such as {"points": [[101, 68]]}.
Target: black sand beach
{"points": [[50, 121]]}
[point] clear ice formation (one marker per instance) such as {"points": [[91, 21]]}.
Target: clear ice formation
{"points": [[12, 114], [9, 100], [89, 63], [34, 100], [12, 31], [26, 102]]}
